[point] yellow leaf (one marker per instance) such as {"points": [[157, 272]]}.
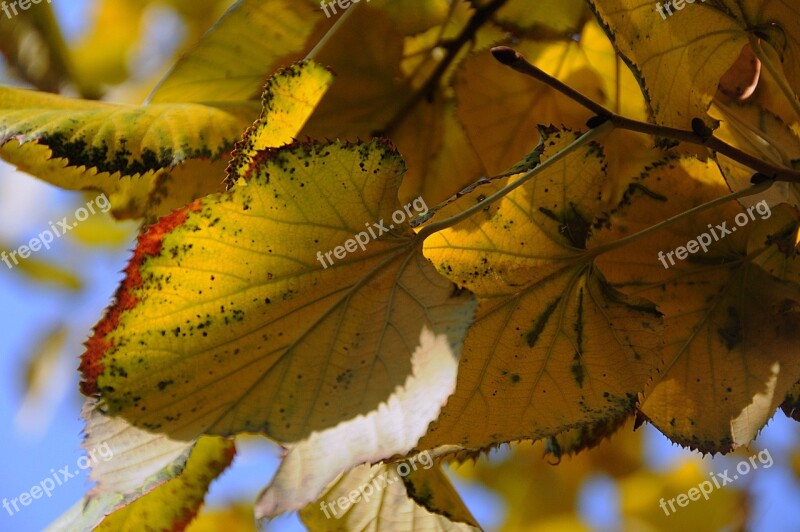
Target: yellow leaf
{"points": [[552, 346], [680, 58], [101, 53], [366, 56], [553, 18], [236, 518], [43, 382], [586, 436], [46, 272], [233, 59], [566, 351], [275, 339], [730, 327], [415, 16], [756, 131], [394, 428], [378, 498], [114, 138], [501, 109], [537, 494], [439, 155], [174, 181], [102, 231], [533, 231], [170, 506], [642, 493], [291, 95]]}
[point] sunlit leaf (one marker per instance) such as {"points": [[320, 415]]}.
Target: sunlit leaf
{"points": [[233, 60], [378, 498], [730, 326], [171, 506], [140, 460], [289, 98], [553, 346], [680, 57], [289, 344]]}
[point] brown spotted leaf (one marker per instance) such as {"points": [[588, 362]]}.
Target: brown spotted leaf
{"points": [[553, 346], [291, 328], [731, 324]]}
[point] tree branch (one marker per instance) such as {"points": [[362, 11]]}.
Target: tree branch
{"points": [[480, 17], [511, 58]]}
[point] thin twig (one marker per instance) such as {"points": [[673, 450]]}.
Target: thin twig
{"points": [[749, 191], [584, 139], [511, 58], [480, 17], [330, 33]]}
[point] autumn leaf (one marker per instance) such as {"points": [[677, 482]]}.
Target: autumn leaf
{"points": [[173, 163], [554, 18], [233, 60], [289, 346], [118, 149], [170, 506], [764, 135], [729, 325], [133, 461], [553, 345], [378, 498], [116, 138], [679, 58], [289, 99], [477, 258]]}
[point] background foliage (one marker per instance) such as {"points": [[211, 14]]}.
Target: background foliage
{"points": [[478, 119]]}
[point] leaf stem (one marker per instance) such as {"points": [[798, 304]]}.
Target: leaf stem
{"points": [[331, 32], [587, 137], [511, 58], [750, 191]]}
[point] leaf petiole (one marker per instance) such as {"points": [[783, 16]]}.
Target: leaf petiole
{"points": [[587, 137], [750, 191]]}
